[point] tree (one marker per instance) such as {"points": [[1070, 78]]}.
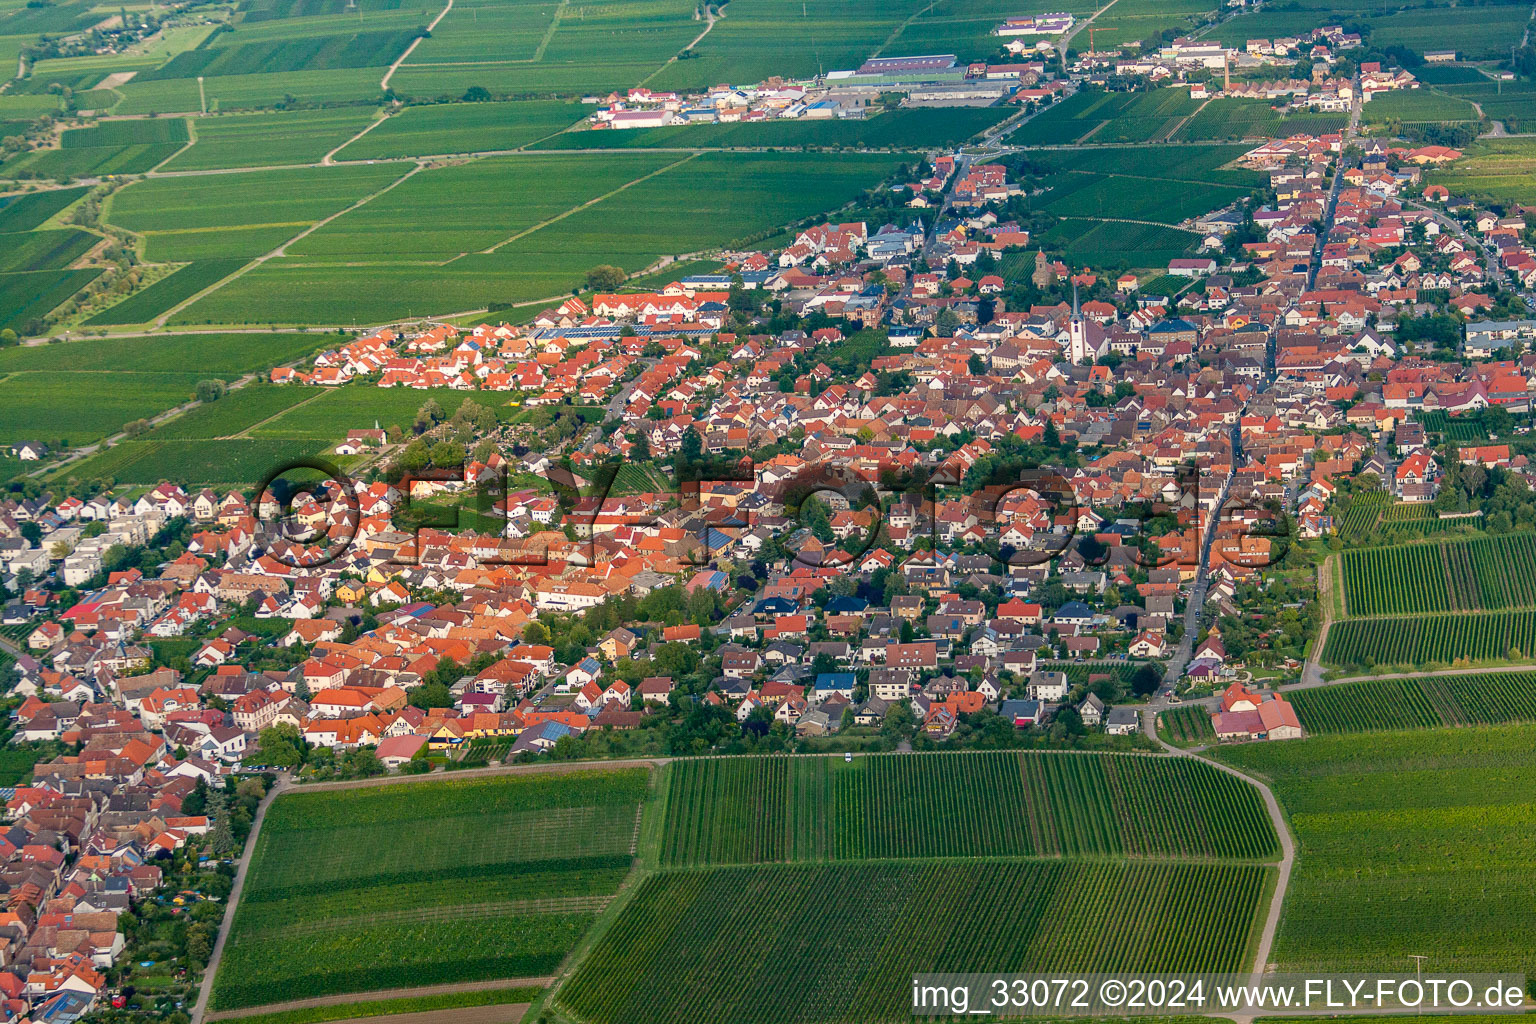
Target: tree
{"points": [[431, 695], [196, 802], [946, 322], [476, 94], [280, 746], [32, 532], [1146, 680], [605, 277], [447, 455], [210, 390]]}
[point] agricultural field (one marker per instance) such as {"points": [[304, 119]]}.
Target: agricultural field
{"points": [[1407, 841], [1500, 170], [1431, 639], [236, 92], [1132, 21], [464, 128], [226, 356], [78, 408], [1419, 25], [735, 945], [330, 413], [760, 810], [45, 249], [27, 296], [1513, 103], [1186, 727], [427, 883], [1115, 244], [1468, 429], [222, 216], [1104, 117], [896, 129], [111, 147], [82, 391], [542, 49], [1365, 511], [30, 210], [1091, 187], [446, 241], [1421, 702], [236, 463], [234, 414], [268, 140], [1485, 573], [144, 305], [1248, 119], [786, 37], [1409, 105]]}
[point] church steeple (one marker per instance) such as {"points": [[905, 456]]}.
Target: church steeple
{"points": [[1077, 332]]}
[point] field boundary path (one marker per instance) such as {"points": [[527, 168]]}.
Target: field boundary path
{"points": [[1312, 671], [709, 16], [205, 989], [384, 82], [328, 160], [1282, 830], [388, 993]]}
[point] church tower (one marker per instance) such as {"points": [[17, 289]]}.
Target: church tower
{"points": [[1077, 333]]}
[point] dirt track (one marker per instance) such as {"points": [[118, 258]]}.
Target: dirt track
{"points": [[458, 1014]]}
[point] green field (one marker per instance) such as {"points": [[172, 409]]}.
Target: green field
{"points": [[737, 945], [328, 415], [111, 147], [238, 463], [540, 49], [212, 355], [272, 56], [752, 810], [47, 249], [447, 241], [1431, 639], [79, 408], [1486, 573], [235, 413], [29, 210], [409, 1004], [1186, 727], [1424, 702], [464, 128], [1249, 119], [898, 129], [242, 214], [267, 140], [1417, 105], [1483, 32], [145, 305], [1407, 842], [785, 37], [1502, 170], [81, 391], [27, 296], [1101, 117], [1100, 192], [427, 883]]}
